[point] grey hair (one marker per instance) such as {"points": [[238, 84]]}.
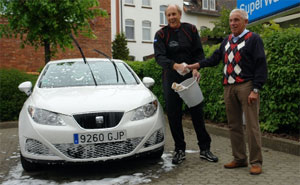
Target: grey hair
{"points": [[177, 7], [242, 12]]}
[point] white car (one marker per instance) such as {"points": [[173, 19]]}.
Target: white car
{"points": [[93, 110]]}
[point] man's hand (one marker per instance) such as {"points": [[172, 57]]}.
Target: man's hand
{"points": [[181, 68], [196, 75], [252, 97]]}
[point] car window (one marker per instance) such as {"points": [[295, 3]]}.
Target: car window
{"points": [[68, 74]]}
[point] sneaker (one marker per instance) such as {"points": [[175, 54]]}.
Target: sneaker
{"points": [[178, 157], [206, 154]]}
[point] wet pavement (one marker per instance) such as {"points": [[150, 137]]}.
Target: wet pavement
{"points": [[279, 168]]}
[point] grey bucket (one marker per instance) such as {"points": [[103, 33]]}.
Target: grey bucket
{"points": [[191, 93]]}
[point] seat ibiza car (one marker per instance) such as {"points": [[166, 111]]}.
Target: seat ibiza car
{"points": [[89, 110]]}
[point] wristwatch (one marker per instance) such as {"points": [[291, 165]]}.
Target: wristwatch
{"points": [[255, 90]]}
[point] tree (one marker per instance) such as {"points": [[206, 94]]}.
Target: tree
{"points": [[221, 26], [48, 23], [119, 47]]}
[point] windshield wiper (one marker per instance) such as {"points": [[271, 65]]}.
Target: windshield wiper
{"points": [[84, 58], [116, 68]]}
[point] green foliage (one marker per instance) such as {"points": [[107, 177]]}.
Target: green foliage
{"points": [[11, 98], [48, 23], [265, 29], [153, 70], [221, 26], [280, 107], [212, 89], [119, 47]]}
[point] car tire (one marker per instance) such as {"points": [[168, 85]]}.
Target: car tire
{"points": [[157, 154], [28, 165]]}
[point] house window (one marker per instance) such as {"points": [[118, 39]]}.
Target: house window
{"points": [[146, 3], [205, 4], [129, 2], [212, 5], [163, 18], [146, 30], [129, 29], [209, 5]]}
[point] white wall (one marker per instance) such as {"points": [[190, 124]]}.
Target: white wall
{"points": [[139, 14]]}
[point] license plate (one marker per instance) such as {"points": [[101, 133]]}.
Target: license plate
{"points": [[99, 137]]}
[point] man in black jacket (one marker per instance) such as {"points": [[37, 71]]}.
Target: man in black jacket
{"points": [[245, 72], [175, 46]]}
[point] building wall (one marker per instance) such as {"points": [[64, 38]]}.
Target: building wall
{"points": [[137, 47], [30, 60]]}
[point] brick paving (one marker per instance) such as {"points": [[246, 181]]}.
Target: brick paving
{"points": [[278, 169]]}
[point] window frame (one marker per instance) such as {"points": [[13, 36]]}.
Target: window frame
{"points": [[148, 28], [207, 3], [162, 12], [130, 26], [214, 3], [129, 3], [146, 5]]}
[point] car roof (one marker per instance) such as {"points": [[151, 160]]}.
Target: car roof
{"points": [[87, 59]]}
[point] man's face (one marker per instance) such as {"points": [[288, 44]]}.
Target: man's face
{"points": [[237, 23], [173, 17]]}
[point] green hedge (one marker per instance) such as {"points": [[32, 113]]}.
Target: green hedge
{"points": [[280, 108], [280, 97], [11, 98]]}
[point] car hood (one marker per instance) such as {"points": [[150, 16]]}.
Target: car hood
{"points": [[74, 100]]}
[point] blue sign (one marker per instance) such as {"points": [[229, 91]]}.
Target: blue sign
{"points": [[258, 9]]}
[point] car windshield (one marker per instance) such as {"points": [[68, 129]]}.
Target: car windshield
{"points": [[70, 74]]}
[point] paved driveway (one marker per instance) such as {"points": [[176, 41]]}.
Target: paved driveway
{"points": [[279, 168]]}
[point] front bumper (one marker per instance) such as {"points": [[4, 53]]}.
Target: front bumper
{"points": [[55, 143]]}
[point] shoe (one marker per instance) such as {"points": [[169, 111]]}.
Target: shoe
{"points": [[235, 164], [178, 157], [255, 170], [206, 154]]}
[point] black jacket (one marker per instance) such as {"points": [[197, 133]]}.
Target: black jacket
{"points": [[177, 46]]}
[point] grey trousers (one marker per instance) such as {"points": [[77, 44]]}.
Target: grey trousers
{"points": [[236, 102]]}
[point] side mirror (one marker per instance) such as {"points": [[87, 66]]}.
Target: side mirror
{"points": [[25, 87], [148, 81]]}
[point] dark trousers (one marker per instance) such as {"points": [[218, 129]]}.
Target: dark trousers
{"points": [[174, 111]]}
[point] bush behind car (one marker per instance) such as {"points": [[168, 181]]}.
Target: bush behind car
{"points": [[280, 98], [11, 98]]}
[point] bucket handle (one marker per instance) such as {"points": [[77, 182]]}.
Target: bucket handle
{"points": [[186, 87]]}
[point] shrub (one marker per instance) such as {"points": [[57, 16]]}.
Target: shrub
{"points": [[119, 47], [280, 98], [212, 89], [11, 98]]}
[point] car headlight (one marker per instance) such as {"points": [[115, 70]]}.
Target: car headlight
{"points": [[45, 117], [145, 111]]}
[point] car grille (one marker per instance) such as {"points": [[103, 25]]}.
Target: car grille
{"points": [[35, 147], [98, 120], [155, 138], [87, 151]]}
